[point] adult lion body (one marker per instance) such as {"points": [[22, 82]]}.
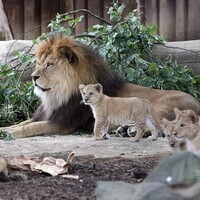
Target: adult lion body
{"points": [[62, 65]]}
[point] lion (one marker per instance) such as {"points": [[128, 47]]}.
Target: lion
{"points": [[3, 169], [110, 111], [62, 64], [188, 127], [176, 145]]}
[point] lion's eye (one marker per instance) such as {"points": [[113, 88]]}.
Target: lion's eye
{"points": [[83, 93], [91, 93], [182, 125], [48, 65]]}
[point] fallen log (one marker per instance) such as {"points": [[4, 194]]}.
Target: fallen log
{"points": [[186, 52]]}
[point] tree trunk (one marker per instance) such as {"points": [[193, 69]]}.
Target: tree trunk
{"points": [[5, 32]]}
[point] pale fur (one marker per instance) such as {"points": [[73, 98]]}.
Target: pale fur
{"points": [[175, 144], [3, 169], [62, 78], [109, 111], [188, 127]]}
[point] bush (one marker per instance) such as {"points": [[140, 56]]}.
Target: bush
{"points": [[124, 42], [17, 98]]}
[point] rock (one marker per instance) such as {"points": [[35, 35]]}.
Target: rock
{"points": [[125, 191], [176, 177], [107, 190], [181, 169], [186, 53], [7, 55]]}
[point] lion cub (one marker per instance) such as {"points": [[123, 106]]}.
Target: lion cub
{"points": [[118, 111], [3, 169], [175, 144], [188, 127]]}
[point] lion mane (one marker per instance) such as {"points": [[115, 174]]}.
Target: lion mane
{"points": [[78, 65], [63, 63]]}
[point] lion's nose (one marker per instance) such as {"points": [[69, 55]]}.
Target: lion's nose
{"points": [[35, 78], [172, 144], [175, 133]]}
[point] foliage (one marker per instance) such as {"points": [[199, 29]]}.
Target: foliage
{"points": [[16, 97], [124, 42], [5, 136]]}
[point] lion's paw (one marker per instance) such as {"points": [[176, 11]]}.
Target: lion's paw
{"points": [[152, 138], [134, 139], [97, 138], [106, 136]]}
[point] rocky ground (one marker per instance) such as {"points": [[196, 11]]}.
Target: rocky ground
{"points": [[114, 159], [30, 185]]}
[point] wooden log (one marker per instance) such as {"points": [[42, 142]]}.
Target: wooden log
{"points": [[186, 53]]}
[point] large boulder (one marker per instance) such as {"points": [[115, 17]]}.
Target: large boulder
{"points": [[175, 177], [7, 55], [182, 169]]}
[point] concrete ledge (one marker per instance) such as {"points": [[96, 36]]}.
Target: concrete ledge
{"points": [[186, 53], [84, 146]]}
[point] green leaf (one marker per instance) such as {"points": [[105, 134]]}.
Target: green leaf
{"points": [[152, 29], [153, 67]]}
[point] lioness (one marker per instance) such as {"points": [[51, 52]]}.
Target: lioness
{"points": [[109, 111], [188, 127], [62, 64]]}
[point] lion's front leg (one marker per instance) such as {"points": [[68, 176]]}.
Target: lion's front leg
{"points": [[100, 130], [33, 129], [28, 121]]}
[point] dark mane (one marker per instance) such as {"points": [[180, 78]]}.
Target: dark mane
{"points": [[73, 114]]}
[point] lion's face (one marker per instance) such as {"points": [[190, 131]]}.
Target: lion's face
{"points": [[168, 127], [60, 69], [55, 66], [45, 76], [186, 124]]}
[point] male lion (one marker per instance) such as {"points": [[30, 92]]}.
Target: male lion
{"points": [[63, 63]]}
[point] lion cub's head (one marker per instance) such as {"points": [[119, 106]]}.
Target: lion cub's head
{"points": [[168, 128], [187, 124], [91, 93]]}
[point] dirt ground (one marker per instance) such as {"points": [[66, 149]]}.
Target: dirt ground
{"points": [[32, 186]]}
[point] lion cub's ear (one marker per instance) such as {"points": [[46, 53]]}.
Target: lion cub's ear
{"points": [[165, 122], [98, 87], [81, 87], [192, 116], [177, 111], [68, 53]]}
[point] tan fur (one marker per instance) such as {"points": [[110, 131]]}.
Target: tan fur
{"points": [[188, 127], [176, 145], [3, 169], [62, 65], [109, 111]]}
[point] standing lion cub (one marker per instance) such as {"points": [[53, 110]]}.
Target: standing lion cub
{"points": [[118, 111]]}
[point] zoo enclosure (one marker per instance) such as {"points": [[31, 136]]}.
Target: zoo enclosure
{"points": [[176, 19]]}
